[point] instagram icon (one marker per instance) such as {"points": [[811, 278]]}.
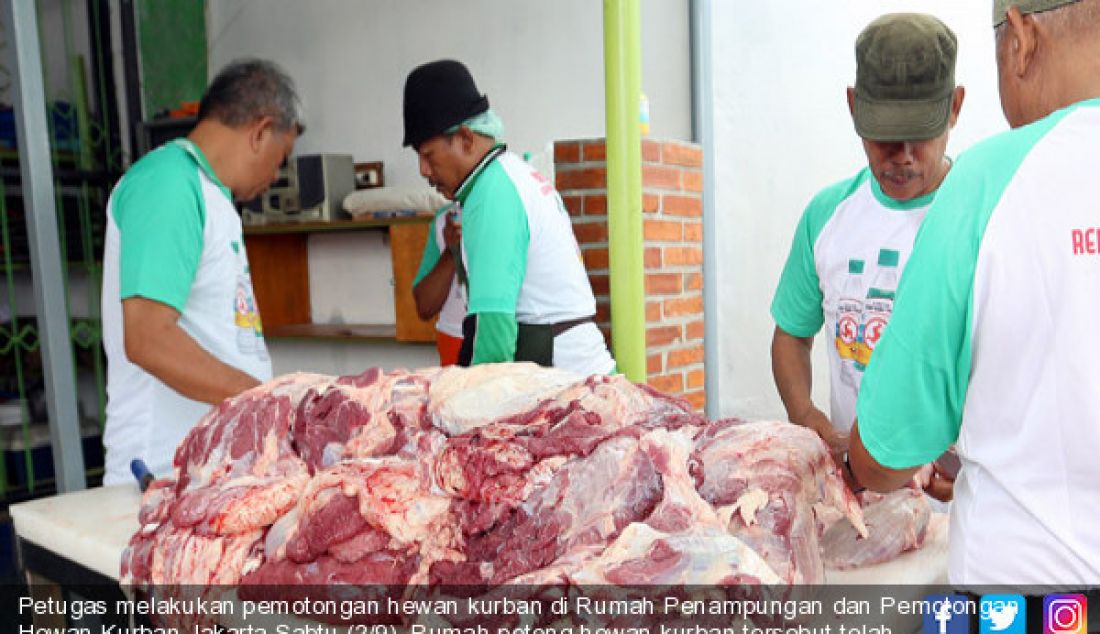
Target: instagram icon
{"points": [[1065, 614]]}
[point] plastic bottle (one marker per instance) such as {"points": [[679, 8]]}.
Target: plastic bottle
{"points": [[878, 306], [849, 312]]}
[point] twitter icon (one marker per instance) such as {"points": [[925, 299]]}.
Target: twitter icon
{"points": [[1002, 614]]}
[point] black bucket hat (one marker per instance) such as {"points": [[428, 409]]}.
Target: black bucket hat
{"points": [[439, 95]]}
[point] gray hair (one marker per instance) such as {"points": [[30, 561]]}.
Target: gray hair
{"points": [[1073, 20], [247, 89], [1081, 18]]}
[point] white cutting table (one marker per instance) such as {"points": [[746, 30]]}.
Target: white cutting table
{"points": [[91, 528]]}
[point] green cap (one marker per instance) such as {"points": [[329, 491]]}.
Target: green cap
{"points": [[905, 78], [1000, 7], [855, 267], [887, 257]]}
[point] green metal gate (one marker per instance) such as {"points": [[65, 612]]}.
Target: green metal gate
{"points": [[164, 41], [86, 157]]}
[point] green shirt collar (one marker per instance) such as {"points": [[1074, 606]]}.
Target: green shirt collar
{"points": [[903, 205], [463, 191], [196, 153]]}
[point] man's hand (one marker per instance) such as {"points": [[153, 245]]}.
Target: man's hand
{"points": [[792, 372], [452, 230], [430, 294], [818, 421], [935, 481]]}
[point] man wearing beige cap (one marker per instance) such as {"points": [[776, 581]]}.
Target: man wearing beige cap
{"points": [[994, 342], [855, 236]]}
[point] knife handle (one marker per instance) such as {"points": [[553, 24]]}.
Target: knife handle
{"points": [[141, 473]]}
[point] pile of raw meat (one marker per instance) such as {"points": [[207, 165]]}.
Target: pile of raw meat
{"points": [[498, 474]]}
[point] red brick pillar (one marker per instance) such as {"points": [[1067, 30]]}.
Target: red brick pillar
{"points": [[672, 204]]}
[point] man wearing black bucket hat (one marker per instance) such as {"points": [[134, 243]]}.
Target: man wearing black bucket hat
{"points": [[528, 295], [994, 341], [855, 236]]}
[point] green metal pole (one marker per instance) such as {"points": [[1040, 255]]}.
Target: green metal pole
{"points": [[623, 81]]}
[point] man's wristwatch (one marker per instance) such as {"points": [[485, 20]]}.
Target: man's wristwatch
{"points": [[857, 488]]}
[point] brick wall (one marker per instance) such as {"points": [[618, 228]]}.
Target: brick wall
{"points": [[672, 205]]}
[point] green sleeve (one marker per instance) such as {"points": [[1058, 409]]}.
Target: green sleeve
{"points": [[914, 389], [495, 338], [495, 236], [796, 307], [431, 250], [159, 210]]}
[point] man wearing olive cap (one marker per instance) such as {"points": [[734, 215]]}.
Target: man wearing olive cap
{"points": [[994, 341], [855, 236], [528, 294]]}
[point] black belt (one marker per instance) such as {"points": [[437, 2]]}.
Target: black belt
{"points": [[562, 326]]}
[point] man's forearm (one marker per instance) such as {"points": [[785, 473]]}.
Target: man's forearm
{"points": [[178, 361], [793, 374], [431, 293]]}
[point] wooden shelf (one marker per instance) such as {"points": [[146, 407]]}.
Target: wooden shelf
{"points": [[366, 332], [345, 224], [279, 258]]}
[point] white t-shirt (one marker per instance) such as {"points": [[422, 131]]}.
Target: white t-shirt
{"points": [[851, 220]]}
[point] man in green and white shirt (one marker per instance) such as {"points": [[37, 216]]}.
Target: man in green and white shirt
{"points": [[529, 298], [180, 324], [855, 236], [994, 342]]}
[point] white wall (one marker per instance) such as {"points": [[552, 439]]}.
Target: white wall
{"points": [[782, 132], [349, 357], [541, 63]]}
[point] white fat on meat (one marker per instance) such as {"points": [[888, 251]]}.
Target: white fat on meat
{"points": [[463, 399], [703, 555]]}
